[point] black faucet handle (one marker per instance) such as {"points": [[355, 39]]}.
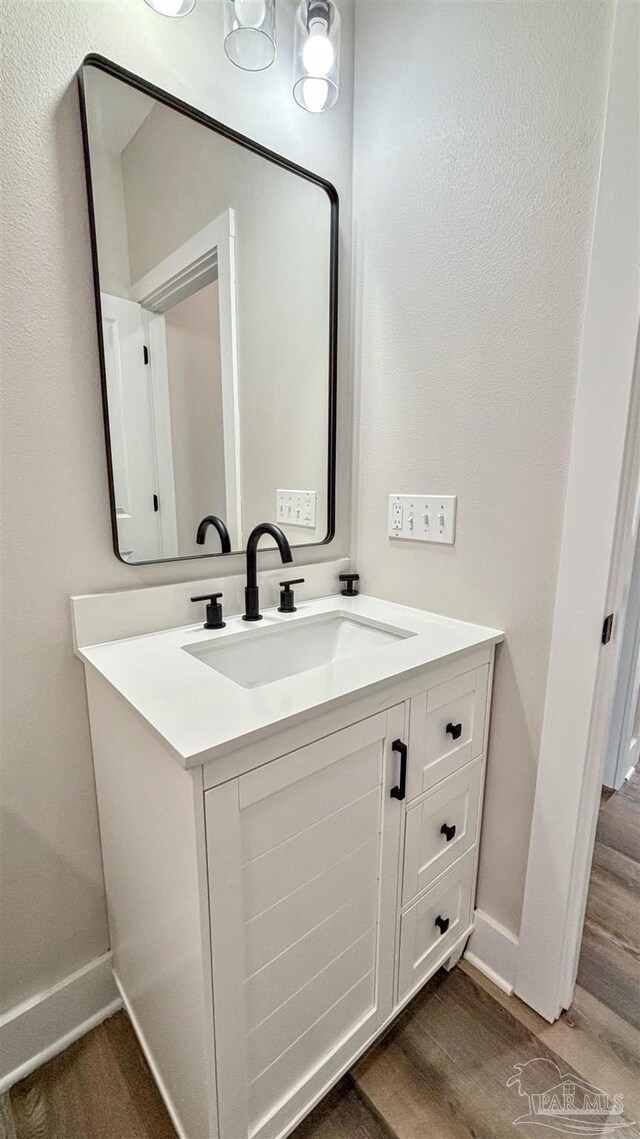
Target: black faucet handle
{"points": [[214, 610], [286, 596], [350, 578]]}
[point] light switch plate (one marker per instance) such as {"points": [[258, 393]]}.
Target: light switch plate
{"points": [[423, 517], [297, 507]]}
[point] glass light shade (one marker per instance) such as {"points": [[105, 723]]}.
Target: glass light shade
{"points": [[172, 7], [316, 57], [250, 33]]}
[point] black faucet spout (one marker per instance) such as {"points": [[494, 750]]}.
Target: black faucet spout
{"points": [[218, 524], [251, 593]]}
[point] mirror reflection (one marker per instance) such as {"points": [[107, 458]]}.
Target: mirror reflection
{"points": [[214, 267]]}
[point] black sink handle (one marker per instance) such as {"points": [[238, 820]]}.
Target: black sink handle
{"points": [[350, 579]]}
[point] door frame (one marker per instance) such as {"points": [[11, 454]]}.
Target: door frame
{"points": [[208, 255], [618, 760], [580, 675]]}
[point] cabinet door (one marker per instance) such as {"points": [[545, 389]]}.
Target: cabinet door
{"points": [[303, 867]]}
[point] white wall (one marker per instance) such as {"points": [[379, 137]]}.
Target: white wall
{"points": [[110, 207], [477, 138], [56, 514]]}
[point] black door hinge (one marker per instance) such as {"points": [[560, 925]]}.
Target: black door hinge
{"points": [[145, 352], [156, 503], [607, 628]]}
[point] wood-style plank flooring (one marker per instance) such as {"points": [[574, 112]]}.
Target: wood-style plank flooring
{"points": [[440, 1072], [609, 966]]}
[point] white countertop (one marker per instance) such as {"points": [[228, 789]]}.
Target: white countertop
{"points": [[200, 713]]}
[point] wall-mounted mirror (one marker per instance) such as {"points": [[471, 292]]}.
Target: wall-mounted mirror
{"points": [[216, 275]]}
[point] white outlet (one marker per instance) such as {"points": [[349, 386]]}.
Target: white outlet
{"points": [[397, 515], [297, 507], [423, 517]]}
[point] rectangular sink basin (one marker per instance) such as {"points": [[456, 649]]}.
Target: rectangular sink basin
{"points": [[274, 653]]}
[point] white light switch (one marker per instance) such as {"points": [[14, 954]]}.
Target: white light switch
{"points": [[423, 517], [296, 507]]}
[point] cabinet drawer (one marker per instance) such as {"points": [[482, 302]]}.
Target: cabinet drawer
{"points": [[440, 828], [447, 729], [434, 923]]}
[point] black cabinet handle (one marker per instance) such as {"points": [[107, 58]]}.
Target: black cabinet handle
{"points": [[454, 730], [400, 791], [448, 832], [442, 924]]}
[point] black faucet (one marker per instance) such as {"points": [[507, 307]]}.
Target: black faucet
{"points": [[251, 594], [213, 520]]}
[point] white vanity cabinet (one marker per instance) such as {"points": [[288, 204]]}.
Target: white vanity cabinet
{"points": [[271, 910]]}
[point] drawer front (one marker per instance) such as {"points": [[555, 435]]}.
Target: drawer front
{"points": [[447, 729], [434, 923], [440, 828]]}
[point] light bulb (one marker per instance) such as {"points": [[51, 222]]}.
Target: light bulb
{"points": [[318, 53], [171, 7], [314, 94]]}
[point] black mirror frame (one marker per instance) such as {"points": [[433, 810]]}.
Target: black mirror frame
{"points": [[176, 104]]}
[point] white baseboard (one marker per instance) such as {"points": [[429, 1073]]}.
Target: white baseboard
{"points": [[41, 1027], [493, 949], [162, 1087]]}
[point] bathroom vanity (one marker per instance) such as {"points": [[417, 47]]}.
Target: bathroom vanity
{"points": [[290, 820], [289, 805]]}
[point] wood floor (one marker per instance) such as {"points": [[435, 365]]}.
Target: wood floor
{"points": [[610, 959], [441, 1071]]}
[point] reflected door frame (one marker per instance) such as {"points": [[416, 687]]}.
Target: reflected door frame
{"points": [[208, 255]]}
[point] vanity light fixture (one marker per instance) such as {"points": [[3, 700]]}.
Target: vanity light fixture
{"points": [[172, 7], [316, 55], [250, 33]]}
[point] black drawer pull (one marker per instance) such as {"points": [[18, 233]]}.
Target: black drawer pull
{"points": [[400, 791], [442, 924], [448, 832], [454, 730]]}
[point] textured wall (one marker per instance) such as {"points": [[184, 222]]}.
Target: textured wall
{"points": [[477, 135], [57, 534]]}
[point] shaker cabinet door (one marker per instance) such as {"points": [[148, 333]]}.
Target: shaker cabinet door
{"points": [[303, 865]]}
